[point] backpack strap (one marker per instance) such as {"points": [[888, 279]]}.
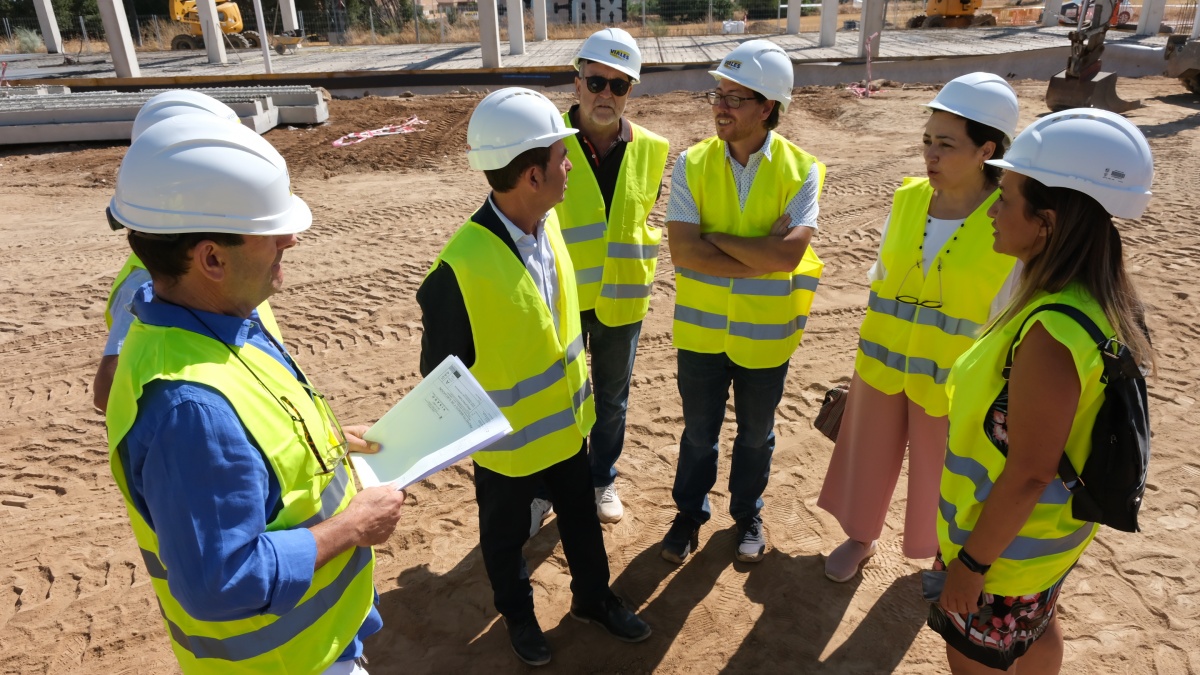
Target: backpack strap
{"points": [[1066, 472]]}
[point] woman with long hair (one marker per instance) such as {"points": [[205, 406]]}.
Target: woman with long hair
{"points": [[936, 283], [1006, 532]]}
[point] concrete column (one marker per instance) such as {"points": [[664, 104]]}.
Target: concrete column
{"points": [[1196, 24], [794, 11], [516, 27], [1152, 16], [49, 25], [214, 39], [829, 18], [489, 33], [539, 20], [120, 44], [263, 39], [287, 12], [870, 24], [1050, 13]]}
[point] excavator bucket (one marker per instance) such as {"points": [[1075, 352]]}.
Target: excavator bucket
{"points": [[1097, 91]]}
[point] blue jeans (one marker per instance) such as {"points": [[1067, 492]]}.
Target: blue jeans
{"points": [[704, 381], [613, 349]]}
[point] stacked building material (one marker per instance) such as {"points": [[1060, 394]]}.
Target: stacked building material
{"points": [[55, 115]]}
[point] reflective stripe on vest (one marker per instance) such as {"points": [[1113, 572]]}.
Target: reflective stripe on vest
{"points": [[757, 322], [1051, 540], [615, 255], [312, 634], [265, 316], [534, 372], [909, 348]]}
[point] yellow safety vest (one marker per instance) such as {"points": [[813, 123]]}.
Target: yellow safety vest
{"points": [[318, 629], [265, 316], [1051, 540], [535, 374], [905, 347], [757, 322], [614, 256]]}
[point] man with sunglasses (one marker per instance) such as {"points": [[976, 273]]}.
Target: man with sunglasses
{"points": [[614, 250], [231, 465], [742, 211]]}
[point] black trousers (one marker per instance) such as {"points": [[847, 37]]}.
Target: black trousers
{"points": [[504, 520]]}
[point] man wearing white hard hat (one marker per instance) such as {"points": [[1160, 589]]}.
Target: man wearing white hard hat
{"points": [[742, 211], [501, 297], [934, 285], [1029, 396], [133, 274], [232, 466], [618, 175]]}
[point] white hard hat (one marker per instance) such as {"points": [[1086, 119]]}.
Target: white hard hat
{"points": [[982, 97], [612, 47], [1096, 152], [178, 102], [198, 173], [760, 65], [508, 122]]}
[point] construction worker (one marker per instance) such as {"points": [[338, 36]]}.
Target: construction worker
{"points": [[934, 285], [618, 177], [231, 465], [743, 208], [501, 296], [133, 273]]}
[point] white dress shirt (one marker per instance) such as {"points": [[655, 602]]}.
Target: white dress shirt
{"points": [[538, 257]]}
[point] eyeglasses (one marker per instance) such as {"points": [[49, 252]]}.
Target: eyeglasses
{"points": [[732, 100], [338, 451], [339, 448], [909, 299], [597, 84]]}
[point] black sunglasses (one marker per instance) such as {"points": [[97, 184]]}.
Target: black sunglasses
{"points": [[596, 84]]}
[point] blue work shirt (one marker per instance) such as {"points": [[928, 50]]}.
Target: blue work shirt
{"points": [[198, 478]]}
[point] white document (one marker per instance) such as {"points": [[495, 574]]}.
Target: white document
{"points": [[443, 419]]}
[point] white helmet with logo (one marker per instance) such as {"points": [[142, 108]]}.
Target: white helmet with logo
{"points": [[199, 173], [508, 122], [760, 65], [178, 102], [1096, 152], [982, 97], [612, 47]]}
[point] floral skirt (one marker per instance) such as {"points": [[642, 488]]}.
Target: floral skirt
{"points": [[1003, 629]]}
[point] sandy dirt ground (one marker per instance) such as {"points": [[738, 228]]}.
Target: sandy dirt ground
{"points": [[74, 596]]}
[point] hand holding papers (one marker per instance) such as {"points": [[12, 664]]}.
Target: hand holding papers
{"points": [[443, 419]]}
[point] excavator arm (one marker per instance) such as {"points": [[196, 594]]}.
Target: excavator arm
{"points": [[1082, 84]]}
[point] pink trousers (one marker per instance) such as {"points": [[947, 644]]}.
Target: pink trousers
{"points": [[876, 429]]}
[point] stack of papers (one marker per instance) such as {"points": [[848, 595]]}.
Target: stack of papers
{"points": [[443, 419]]}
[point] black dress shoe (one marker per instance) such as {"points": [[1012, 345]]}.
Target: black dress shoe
{"points": [[615, 617], [528, 641]]}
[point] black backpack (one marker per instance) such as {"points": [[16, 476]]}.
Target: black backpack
{"points": [[1109, 488]]}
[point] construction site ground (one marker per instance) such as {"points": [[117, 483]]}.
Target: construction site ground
{"points": [[78, 597]]}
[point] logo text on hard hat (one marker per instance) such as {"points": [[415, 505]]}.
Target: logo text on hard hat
{"points": [[620, 54], [1114, 174], [735, 65]]}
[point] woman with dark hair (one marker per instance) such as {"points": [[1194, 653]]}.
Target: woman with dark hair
{"points": [[936, 283], [1005, 523]]}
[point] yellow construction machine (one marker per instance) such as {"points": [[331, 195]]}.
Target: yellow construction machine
{"points": [[1082, 84], [228, 16], [951, 14]]}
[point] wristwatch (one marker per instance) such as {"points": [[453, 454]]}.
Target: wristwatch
{"points": [[971, 563]]}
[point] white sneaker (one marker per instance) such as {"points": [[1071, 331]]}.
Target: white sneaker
{"points": [[608, 505], [539, 511]]}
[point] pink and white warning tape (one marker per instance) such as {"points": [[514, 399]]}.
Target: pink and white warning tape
{"points": [[408, 126]]}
